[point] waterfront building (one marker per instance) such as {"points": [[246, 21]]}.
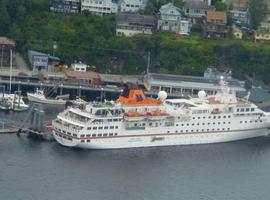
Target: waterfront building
{"points": [[42, 62], [187, 85], [128, 24], [171, 20], [82, 78], [132, 5], [215, 25], [197, 9], [241, 5], [66, 6], [99, 7], [6, 45]]}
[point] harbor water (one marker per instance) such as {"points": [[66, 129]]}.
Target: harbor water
{"points": [[32, 169]]}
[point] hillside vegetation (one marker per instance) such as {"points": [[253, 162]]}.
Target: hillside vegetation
{"points": [[91, 39]]}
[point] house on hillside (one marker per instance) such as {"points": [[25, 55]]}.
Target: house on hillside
{"points": [[66, 6], [236, 32], [99, 7], [82, 78], [240, 17], [215, 25], [171, 20], [197, 9], [132, 24], [6, 45], [262, 35], [131, 5]]}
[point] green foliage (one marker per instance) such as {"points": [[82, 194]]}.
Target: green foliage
{"points": [[220, 6], [257, 10], [91, 39]]}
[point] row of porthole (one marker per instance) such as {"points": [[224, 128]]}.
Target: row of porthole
{"points": [[202, 130], [203, 123]]}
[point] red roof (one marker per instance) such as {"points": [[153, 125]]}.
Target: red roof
{"points": [[6, 41], [82, 75]]}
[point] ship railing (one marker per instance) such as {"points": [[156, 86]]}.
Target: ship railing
{"points": [[66, 127], [82, 121], [135, 128]]}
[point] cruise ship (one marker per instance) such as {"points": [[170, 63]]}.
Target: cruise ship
{"points": [[134, 120]]}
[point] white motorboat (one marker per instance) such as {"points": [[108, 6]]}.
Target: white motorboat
{"points": [[40, 97]]}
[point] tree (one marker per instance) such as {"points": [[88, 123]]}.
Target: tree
{"points": [[220, 6], [4, 18], [258, 10]]}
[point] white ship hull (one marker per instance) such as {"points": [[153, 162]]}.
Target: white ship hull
{"points": [[38, 99], [152, 140]]}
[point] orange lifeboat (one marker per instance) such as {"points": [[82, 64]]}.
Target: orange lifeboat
{"points": [[157, 114], [134, 116]]}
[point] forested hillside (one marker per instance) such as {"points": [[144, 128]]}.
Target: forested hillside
{"points": [[91, 39]]}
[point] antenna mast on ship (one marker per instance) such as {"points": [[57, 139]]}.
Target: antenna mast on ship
{"points": [[148, 62]]}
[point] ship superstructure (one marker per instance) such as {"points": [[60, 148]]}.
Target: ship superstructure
{"points": [[134, 120]]}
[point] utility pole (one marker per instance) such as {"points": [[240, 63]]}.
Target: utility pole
{"points": [[10, 72], [148, 62]]}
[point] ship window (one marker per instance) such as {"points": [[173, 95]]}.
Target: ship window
{"points": [[176, 124], [228, 129], [75, 135], [245, 121], [242, 109], [115, 134], [218, 129], [187, 124], [203, 123], [214, 117], [197, 130], [218, 122], [64, 131], [247, 109], [208, 123], [115, 120], [182, 124], [106, 127], [223, 129], [229, 122], [186, 130], [237, 110], [89, 128], [88, 135], [209, 117], [224, 122], [111, 134], [116, 126], [94, 128], [224, 116], [105, 134], [198, 124], [143, 124], [109, 120], [193, 117], [203, 117], [252, 109], [229, 116], [260, 120], [181, 131], [199, 118], [94, 135], [191, 130], [192, 124], [82, 141], [213, 129], [219, 117], [168, 131], [111, 127], [68, 133], [255, 121], [214, 123], [88, 140], [250, 121], [100, 127], [202, 130], [207, 129], [99, 135], [150, 124]]}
